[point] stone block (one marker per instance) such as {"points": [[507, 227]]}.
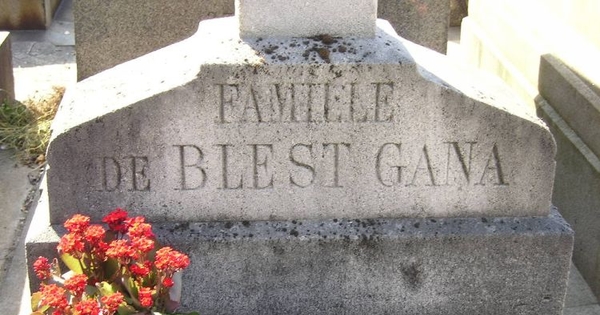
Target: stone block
{"points": [[574, 100], [27, 14], [111, 32], [297, 18], [576, 190], [297, 128], [372, 266], [7, 81], [424, 22]]}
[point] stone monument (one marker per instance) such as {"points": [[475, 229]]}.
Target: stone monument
{"points": [[317, 163]]}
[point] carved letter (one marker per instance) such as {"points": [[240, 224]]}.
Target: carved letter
{"points": [[139, 180], [384, 97], [228, 95], [336, 161], [427, 167], [493, 166], [295, 161], [107, 185], [256, 164], [465, 164], [184, 166], [398, 168], [225, 175], [251, 104]]}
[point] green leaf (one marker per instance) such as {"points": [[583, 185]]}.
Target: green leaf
{"points": [[111, 267], [126, 310], [35, 300], [106, 288], [72, 262]]}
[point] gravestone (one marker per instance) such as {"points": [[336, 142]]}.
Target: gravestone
{"points": [[328, 168], [7, 81]]}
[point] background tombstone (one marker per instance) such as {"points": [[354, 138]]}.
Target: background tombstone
{"points": [[319, 175], [109, 33], [7, 81]]}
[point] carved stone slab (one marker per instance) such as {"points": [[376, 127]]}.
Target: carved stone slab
{"points": [[219, 128]]}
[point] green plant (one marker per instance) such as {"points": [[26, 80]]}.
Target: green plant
{"points": [[25, 127]]}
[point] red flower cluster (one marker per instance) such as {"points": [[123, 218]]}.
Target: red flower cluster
{"points": [[169, 259], [87, 307], [145, 297], [104, 262], [42, 268], [76, 284], [116, 221], [112, 302]]}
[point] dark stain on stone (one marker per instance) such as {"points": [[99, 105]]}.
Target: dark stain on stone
{"points": [[294, 233], [246, 223], [228, 225], [412, 274], [484, 220], [417, 225]]}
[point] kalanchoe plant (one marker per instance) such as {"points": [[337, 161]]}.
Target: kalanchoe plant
{"points": [[115, 271]]}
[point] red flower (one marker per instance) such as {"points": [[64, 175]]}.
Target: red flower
{"points": [[42, 268], [94, 234], [77, 224], [54, 296], [139, 229], [116, 221], [142, 244], [119, 249], [167, 258], [71, 244], [168, 282], [87, 307], [76, 284], [145, 297], [140, 270], [111, 302]]}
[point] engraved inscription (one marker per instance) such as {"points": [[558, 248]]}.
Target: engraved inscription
{"points": [[392, 163], [306, 102], [130, 173], [304, 165]]}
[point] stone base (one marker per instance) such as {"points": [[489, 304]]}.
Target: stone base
{"points": [[394, 266]]}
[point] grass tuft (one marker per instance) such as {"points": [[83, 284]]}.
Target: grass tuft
{"points": [[25, 127]]}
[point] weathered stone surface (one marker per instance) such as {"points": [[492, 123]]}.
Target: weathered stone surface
{"points": [[111, 32], [295, 18], [424, 22], [576, 190], [395, 266], [296, 129], [27, 14], [7, 81], [572, 98]]}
